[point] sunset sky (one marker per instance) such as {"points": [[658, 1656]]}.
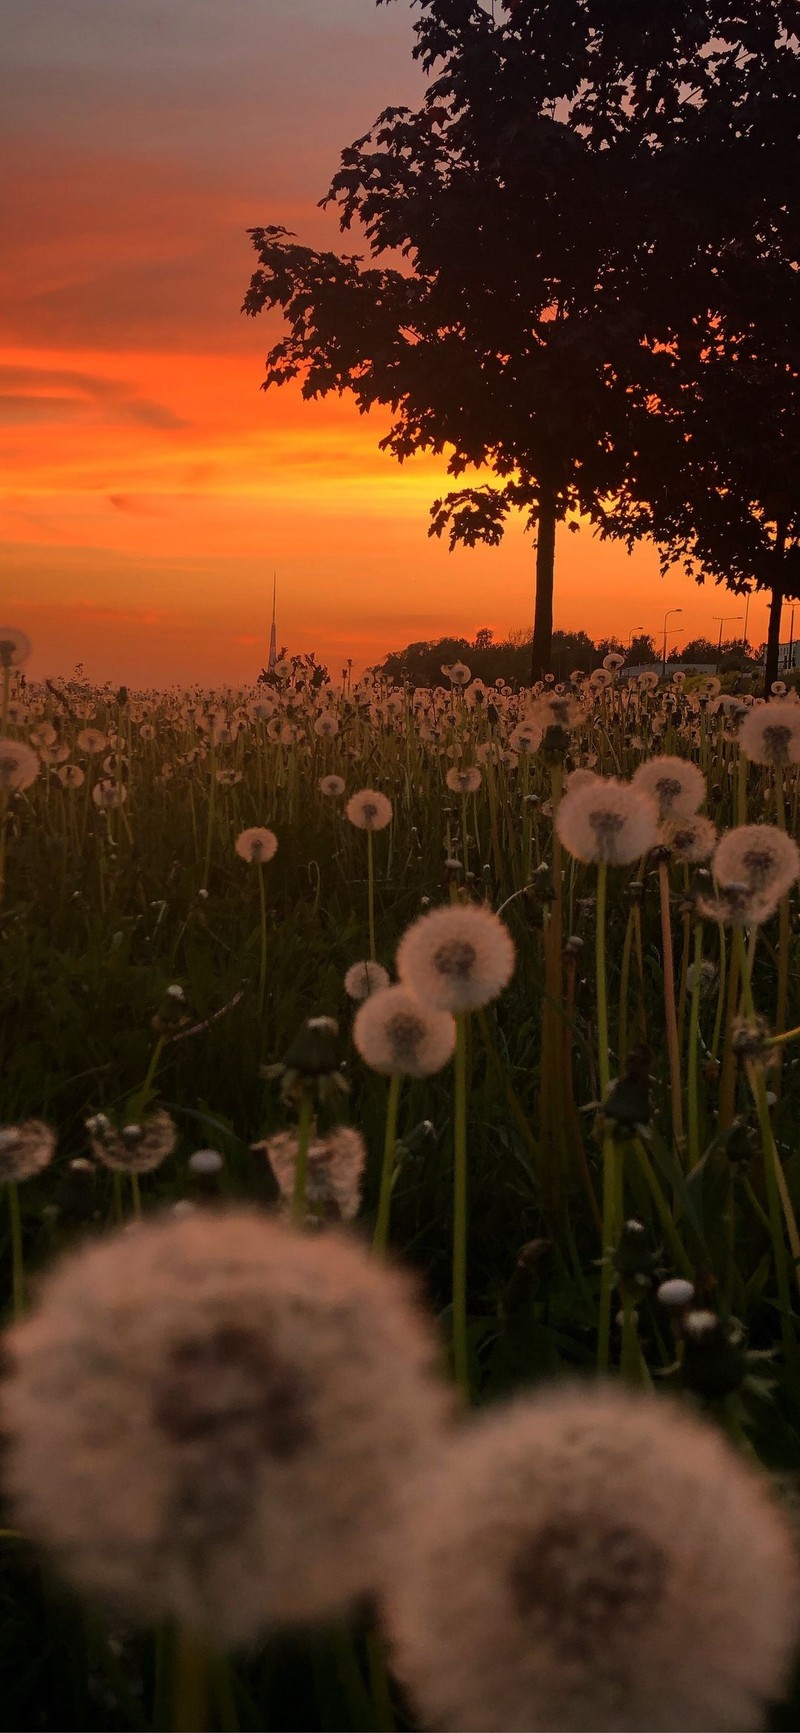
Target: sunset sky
{"points": [[150, 488]]}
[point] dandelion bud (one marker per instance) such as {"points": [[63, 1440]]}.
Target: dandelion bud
{"points": [[312, 1053], [634, 1260], [626, 1104], [676, 1295], [713, 1363], [206, 1161]]}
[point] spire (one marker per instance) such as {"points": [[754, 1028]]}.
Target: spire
{"points": [[273, 642]]}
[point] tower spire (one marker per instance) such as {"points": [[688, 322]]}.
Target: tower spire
{"points": [[273, 642]]}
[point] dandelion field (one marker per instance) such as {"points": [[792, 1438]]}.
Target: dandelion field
{"points": [[569, 1108]]}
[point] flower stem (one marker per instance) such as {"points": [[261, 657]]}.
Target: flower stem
{"points": [[371, 894], [262, 976], [693, 1103], [303, 1137], [191, 1684], [17, 1258], [387, 1170], [460, 1350], [669, 1005]]}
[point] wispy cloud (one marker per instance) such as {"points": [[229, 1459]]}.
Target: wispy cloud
{"points": [[42, 394]]}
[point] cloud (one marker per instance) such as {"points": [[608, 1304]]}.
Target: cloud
{"points": [[46, 394]]}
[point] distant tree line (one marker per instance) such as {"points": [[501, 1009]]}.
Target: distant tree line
{"points": [[421, 663]]}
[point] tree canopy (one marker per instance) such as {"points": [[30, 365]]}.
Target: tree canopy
{"points": [[588, 186]]}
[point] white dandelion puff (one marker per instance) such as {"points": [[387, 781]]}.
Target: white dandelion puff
{"points": [[256, 844], [369, 810], [457, 958], [607, 821], [397, 1035]]}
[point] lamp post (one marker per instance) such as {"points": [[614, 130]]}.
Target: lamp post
{"points": [[724, 620], [664, 656], [632, 635], [746, 612]]}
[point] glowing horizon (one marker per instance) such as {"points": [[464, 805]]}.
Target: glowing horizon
{"points": [[151, 487]]}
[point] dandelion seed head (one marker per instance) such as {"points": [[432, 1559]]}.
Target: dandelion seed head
{"points": [[15, 647], [334, 1171], [132, 1148], [369, 810], [607, 821], [331, 786], [108, 794], [677, 786], [457, 958], [211, 1418], [19, 764], [760, 856], [92, 740], [364, 978], [770, 733], [464, 781], [71, 776], [397, 1034], [593, 1559], [25, 1149], [256, 844]]}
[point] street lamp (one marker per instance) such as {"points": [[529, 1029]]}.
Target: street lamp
{"points": [[664, 656], [632, 635], [724, 620]]}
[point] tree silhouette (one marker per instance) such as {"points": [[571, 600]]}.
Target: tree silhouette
{"points": [[563, 203]]}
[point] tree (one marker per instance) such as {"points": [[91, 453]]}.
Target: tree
{"points": [[561, 202]]}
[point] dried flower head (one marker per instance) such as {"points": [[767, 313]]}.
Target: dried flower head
{"points": [[364, 978], [331, 786], [19, 765], [256, 844], [593, 1559], [132, 1148], [760, 856], [71, 776], [457, 673], [25, 1149], [608, 821], [334, 1172], [396, 1033], [676, 785], [770, 733], [210, 1418], [464, 781], [369, 810], [456, 958]]}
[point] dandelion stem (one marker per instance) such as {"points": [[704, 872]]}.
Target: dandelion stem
{"points": [[693, 1102], [17, 1258], [460, 1349], [679, 1257], [191, 1683], [303, 1137], [388, 1168], [623, 988], [609, 1151], [669, 1005], [371, 895], [755, 1077], [262, 977]]}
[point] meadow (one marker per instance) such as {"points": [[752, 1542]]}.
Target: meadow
{"points": [[573, 1119]]}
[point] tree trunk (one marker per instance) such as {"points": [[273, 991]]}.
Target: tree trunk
{"points": [[773, 638], [775, 606], [542, 647]]}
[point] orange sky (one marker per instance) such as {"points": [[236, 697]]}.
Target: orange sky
{"points": [[149, 487]]}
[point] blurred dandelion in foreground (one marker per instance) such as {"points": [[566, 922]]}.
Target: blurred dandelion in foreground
{"points": [[457, 958], [396, 1033], [334, 1171], [132, 1148], [25, 1149], [256, 844], [607, 821], [676, 785], [211, 1418], [593, 1559], [19, 765], [364, 978]]}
